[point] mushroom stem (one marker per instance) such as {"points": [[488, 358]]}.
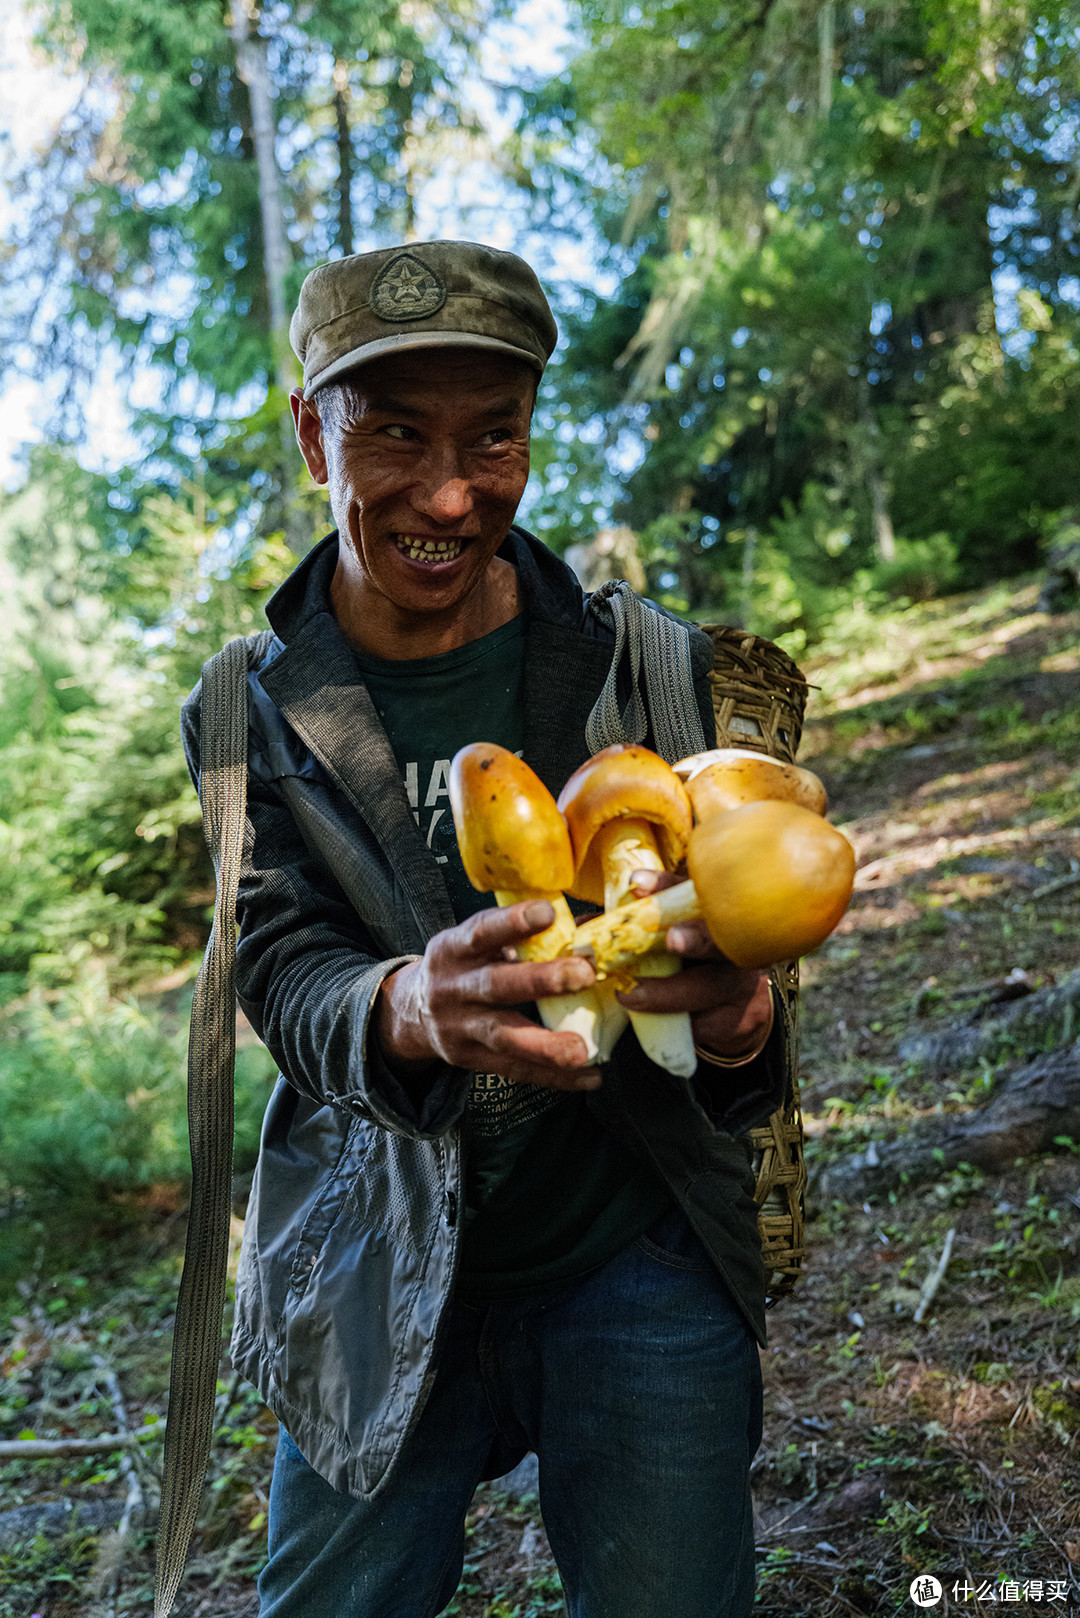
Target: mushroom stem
{"points": [[615, 940], [626, 846], [546, 945], [580, 1013]]}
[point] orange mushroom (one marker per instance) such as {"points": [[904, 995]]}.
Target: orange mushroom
{"points": [[627, 811], [514, 843], [771, 880], [729, 776]]}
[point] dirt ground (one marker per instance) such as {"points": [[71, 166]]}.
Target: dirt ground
{"points": [[894, 1450]]}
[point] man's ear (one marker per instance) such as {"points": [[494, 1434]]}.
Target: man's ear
{"points": [[308, 424]]}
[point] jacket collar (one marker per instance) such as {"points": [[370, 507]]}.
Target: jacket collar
{"points": [[317, 686]]}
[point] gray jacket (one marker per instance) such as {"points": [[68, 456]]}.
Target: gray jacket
{"points": [[351, 1237]]}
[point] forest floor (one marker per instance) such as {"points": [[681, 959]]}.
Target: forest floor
{"points": [[948, 735]]}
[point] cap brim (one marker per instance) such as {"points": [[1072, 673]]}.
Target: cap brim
{"points": [[403, 341]]}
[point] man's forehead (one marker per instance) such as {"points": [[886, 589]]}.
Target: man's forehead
{"points": [[429, 381]]}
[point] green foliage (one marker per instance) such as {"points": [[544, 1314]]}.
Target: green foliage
{"points": [[103, 636], [920, 570], [150, 201], [41, 1570], [92, 1100], [814, 247]]}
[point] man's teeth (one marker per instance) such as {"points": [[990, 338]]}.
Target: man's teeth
{"points": [[429, 550]]}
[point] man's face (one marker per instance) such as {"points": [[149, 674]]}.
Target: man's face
{"points": [[425, 456]]}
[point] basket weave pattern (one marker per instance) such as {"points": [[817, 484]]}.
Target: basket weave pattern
{"points": [[759, 698]]}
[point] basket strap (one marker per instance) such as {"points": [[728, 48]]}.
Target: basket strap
{"points": [[211, 1056], [658, 651]]}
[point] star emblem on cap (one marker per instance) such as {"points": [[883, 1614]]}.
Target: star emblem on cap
{"points": [[406, 290]]}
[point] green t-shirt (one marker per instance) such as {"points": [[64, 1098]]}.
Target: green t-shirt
{"points": [[432, 706], [549, 1193]]}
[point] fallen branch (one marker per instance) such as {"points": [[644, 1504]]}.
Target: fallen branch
{"points": [[1033, 1023], [38, 1449], [1029, 1110], [1056, 886], [55, 1517], [934, 1280], [134, 1504]]}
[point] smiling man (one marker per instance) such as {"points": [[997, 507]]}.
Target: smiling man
{"points": [[463, 1242]]}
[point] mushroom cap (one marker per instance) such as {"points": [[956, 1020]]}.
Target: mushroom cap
{"points": [[729, 776], [509, 831], [772, 879], [621, 782]]}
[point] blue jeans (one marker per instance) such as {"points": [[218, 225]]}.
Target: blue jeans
{"points": [[639, 1389]]}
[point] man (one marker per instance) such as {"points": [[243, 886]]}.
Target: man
{"points": [[463, 1242]]}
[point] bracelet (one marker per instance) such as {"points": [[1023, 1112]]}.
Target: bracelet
{"points": [[740, 1061]]}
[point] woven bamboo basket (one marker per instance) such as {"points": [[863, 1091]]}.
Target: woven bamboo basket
{"points": [[759, 698]]}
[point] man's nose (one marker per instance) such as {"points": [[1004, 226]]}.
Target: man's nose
{"points": [[446, 493]]}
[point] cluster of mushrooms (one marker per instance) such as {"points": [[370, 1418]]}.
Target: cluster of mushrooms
{"points": [[767, 873]]}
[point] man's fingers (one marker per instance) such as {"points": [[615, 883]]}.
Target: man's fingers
{"points": [[508, 1043], [512, 983], [696, 988], [580, 1078], [491, 931], [642, 883], [692, 940]]}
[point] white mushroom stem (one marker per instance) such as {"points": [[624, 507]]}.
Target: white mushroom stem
{"points": [[627, 846], [563, 1013], [613, 1017]]}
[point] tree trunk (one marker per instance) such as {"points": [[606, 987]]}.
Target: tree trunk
{"points": [[826, 49], [342, 99], [1029, 1110], [874, 473], [253, 68], [749, 564]]}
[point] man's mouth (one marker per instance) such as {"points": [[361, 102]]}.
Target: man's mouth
{"points": [[428, 550]]}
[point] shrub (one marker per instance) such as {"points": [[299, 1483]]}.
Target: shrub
{"points": [[92, 1099], [920, 570]]}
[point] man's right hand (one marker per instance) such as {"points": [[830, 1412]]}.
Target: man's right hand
{"points": [[457, 1004]]}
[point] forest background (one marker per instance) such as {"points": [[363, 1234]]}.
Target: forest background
{"points": [[817, 271]]}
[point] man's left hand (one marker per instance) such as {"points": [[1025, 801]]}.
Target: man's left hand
{"points": [[730, 1008]]}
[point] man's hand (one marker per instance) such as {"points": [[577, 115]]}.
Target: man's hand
{"points": [[457, 1004], [730, 1009]]}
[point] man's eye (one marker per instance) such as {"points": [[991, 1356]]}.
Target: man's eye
{"points": [[497, 435], [399, 431]]}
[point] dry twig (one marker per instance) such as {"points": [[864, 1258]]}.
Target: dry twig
{"points": [[934, 1280]]}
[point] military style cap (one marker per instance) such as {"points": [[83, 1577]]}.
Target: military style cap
{"points": [[426, 295]]}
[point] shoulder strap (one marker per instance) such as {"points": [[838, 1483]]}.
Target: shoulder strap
{"points": [[211, 1055], [658, 651]]}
